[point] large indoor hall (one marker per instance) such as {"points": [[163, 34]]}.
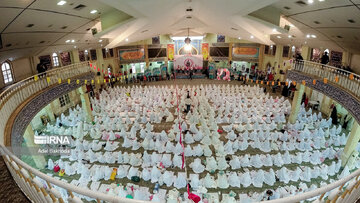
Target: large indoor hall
{"points": [[191, 101]]}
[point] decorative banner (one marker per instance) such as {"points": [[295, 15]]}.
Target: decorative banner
{"points": [[205, 51], [336, 58], [132, 54], [314, 82], [170, 51], [188, 62], [245, 52]]}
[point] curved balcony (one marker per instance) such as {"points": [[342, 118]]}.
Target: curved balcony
{"points": [[13, 101]]}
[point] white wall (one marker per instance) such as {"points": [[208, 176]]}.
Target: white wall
{"points": [[355, 63]]}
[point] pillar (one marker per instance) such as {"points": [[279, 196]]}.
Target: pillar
{"points": [[305, 52], [261, 57], [346, 58], [296, 103], [85, 104], [39, 159], [75, 56], [146, 56], [351, 143], [50, 112]]}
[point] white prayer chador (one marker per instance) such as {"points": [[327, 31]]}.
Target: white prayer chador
{"points": [[235, 163], [180, 181], [234, 180], [196, 166], [222, 181], [245, 179], [209, 181], [168, 178], [155, 174]]}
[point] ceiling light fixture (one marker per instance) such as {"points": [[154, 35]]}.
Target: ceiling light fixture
{"points": [[75, 47], [67, 41], [307, 36], [187, 41], [72, 41], [239, 37], [278, 37], [274, 30], [310, 1], [289, 36], [93, 11], [313, 36], [252, 37], [291, 25], [60, 3], [127, 39], [321, 0], [100, 40]]}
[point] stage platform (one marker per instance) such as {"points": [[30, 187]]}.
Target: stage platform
{"points": [[186, 76]]}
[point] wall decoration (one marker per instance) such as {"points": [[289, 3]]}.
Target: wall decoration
{"points": [[93, 55], [170, 51], [315, 55], [156, 40], [220, 38], [245, 52], [188, 62], [132, 54], [205, 50], [196, 47], [286, 50], [82, 56], [65, 58], [336, 58]]}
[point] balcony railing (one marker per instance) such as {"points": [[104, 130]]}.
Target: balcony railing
{"points": [[40, 187], [345, 79]]}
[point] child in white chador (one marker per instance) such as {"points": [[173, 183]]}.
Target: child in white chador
{"points": [[196, 166], [211, 164], [234, 180], [222, 181], [258, 178], [245, 179], [168, 178], [209, 181], [235, 163], [155, 174], [270, 177], [180, 181]]}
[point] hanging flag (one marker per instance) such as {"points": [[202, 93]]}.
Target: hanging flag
{"points": [[98, 81], [303, 82], [77, 81], [48, 79], [325, 80], [92, 81], [59, 80], [68, 81], [262, 82], [257, 82], [36, 78], [267, 83], [273, 83], [85, 82], [90, 64], [314, 82], [337, 79]]}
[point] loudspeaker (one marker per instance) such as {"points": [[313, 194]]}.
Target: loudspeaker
{"points": [[98, 73], [94, 31], [150, 64], [121, 66]]}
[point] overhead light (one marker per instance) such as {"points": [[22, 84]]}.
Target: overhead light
{"points": [[126, 39], [252, 37], [101, 45], [289, 36], [93, 11], [191, 37], [307, 36], [72, 41], [75, 47], [278, 36], [305, 42], [271, 46], [291, 25], [310, 1], [321, 0], [67, 41], [239, 37], [313, 36], [100, 40], [60, 3], [274, 30], [187, 47]]}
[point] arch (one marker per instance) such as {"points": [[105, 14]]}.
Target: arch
{"points": [[55, 59], [6, 70]]}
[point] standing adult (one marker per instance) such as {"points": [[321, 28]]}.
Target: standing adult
{"points": [[191, 74], [333, 115], [41, 67], [188, 102], [325, 58]]}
